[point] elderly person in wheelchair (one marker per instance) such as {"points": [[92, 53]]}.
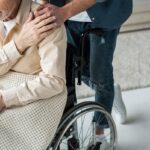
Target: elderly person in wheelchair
{"points": [[32, 68]]}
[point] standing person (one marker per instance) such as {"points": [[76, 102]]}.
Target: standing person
{"points": [[107, 15]]}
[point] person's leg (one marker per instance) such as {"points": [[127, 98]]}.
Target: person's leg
{"points": [[101, 73]]}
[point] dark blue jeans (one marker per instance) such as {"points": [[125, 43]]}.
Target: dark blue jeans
{"points": [[98, 71]]}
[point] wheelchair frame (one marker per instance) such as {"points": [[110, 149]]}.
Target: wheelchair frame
{"points": [[73, 110]]}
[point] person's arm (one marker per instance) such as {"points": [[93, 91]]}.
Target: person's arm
{"points": [[32, 32], [76, 6], [9, 55], [51, 80], [64, 13]]}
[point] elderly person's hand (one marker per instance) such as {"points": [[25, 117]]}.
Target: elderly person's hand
{"points": [[34, 30], [2, 105]]}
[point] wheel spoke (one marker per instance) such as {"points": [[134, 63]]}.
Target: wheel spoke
{"points": [[84, 129]]}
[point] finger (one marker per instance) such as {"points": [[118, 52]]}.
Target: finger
{"points": [[40, 7], [49, 5], [41, 18], [39, 11], [49, 20], [45, 10], [47, 28], [45, 34], [31, 17]]}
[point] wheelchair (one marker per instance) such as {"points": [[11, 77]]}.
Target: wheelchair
{"points": [[76, 130]]}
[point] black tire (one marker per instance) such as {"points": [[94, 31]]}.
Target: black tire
{"points": [[72, 117]]}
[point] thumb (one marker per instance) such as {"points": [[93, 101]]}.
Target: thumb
{"points": [[30, 17]]}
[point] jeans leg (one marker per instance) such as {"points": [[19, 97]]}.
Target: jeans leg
{"points": [[101, 71]]}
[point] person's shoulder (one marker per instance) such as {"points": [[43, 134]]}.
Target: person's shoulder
{"points": [[55, 35], [58, 33]]}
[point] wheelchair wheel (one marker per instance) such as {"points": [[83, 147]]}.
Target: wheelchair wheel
{"points": [[77, 129]]}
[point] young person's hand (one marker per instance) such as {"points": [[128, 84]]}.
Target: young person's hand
{"points": [[58, 12], [65, 12], [34, 30], [2, 105]]}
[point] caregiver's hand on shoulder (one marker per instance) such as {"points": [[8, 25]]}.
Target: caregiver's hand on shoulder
{"points": [[2, 105], [59, 13], [34, 30]]}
